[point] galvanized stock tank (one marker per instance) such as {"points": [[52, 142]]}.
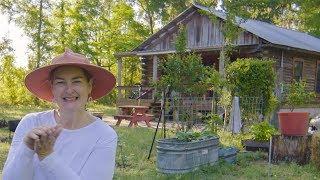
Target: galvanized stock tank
{"points": [[174, 156]]}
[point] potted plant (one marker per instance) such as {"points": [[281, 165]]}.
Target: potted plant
{"points": [[185, 74], [295, 123], [191, 148], [261, 132]]}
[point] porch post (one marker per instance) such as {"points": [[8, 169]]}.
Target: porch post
{"points": [[119, 76], [154, 72], [155, 69]]}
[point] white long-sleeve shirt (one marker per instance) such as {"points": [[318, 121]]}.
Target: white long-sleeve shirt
{"points": [[87, 153]]}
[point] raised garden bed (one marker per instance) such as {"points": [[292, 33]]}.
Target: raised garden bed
{"points": [[252, 145]]}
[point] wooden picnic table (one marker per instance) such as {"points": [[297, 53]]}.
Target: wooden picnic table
{"points": [[134, 114]]}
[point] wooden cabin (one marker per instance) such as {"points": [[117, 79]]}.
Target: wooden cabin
{"points": [[297, 53]]}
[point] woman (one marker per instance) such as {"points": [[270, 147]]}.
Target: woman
{"points": [[68, 143]]}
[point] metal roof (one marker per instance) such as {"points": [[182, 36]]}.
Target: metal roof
{"points": [[272, 33], [269, 32]]}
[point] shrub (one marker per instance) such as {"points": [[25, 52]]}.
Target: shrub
{"points": [[252, 77], [262, 131], [213, 121], [298, 95], [315, 149]]}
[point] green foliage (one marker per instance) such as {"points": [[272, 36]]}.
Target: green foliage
{"points": [[315, 150], [181, 41], [213, 122], [225, 99], [97, 29], [135, 165], [188, 135], [262, 131], [252, 78], [308, 15], [273, 105], [298, 94], [5, 47], [184, 73], [13, 91]]}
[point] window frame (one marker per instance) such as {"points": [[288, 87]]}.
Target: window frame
{"points": [[293, 69]]}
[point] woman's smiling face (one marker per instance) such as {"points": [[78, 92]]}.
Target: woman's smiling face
{"points": [[70, 88]]}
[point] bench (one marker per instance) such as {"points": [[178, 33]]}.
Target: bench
{"points": [[119, 118], [134, 118], [141, 117]]}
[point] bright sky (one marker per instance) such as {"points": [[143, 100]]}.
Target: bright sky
{"points": [[19, 40]]}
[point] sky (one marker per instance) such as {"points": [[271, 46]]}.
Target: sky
{"points": [[19, 40]]}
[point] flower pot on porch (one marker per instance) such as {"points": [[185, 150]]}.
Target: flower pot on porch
{"points": [[293, 123], [174, 156]]}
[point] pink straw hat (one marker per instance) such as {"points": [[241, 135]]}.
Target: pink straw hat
{"points": [[38, 81]]}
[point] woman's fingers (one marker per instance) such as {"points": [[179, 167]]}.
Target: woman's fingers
{"points": [[33, 136], [52, 140], [46, 129], [36, 145], [39, 132], [57, 130]]}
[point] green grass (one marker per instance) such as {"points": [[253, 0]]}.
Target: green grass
{"points": [[107, 110], [4, 147], [9, 112], [132, 162]]}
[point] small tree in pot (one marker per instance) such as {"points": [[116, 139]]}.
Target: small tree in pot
{"points": [[184, 73], [295, 123]]}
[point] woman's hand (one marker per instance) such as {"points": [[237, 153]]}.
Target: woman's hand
{"points": [[44, 146], [41, 139]]}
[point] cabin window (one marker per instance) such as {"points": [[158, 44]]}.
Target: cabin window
{"points": [[297, 70], [318, 78]]}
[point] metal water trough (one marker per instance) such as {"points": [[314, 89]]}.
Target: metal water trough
{"points": [[174, 156]]}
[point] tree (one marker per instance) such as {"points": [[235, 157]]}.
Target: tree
{"points": [[11, 78], [32, 16], [309, 16], [5, 47]]}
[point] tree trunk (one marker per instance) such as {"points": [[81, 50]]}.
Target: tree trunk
{"points": [[39, 41], [150, 17], [291, 149]]}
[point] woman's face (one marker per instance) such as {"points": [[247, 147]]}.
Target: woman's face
{"points": [[70, 88]]}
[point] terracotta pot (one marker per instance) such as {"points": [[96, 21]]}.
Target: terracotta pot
{"points": [[293, 123]]}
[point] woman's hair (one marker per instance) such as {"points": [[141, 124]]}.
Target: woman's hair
{"points": [[85, 72]]}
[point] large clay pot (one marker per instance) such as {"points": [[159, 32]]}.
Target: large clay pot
{"points": [[293, 123]]}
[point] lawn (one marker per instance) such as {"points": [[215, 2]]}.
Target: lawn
{"points": [[249, 165], [134, 144], [17, 112], [132, 162]]}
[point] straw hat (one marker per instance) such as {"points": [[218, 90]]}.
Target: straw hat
{"points": [[38, 81]]}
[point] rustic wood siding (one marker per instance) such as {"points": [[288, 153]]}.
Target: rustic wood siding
{"points": [[147, 70], [202, 33], [147, 65], [308, 71]]}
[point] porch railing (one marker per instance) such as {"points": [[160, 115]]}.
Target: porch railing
{"points": [[133, 92], [135, 95]]}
